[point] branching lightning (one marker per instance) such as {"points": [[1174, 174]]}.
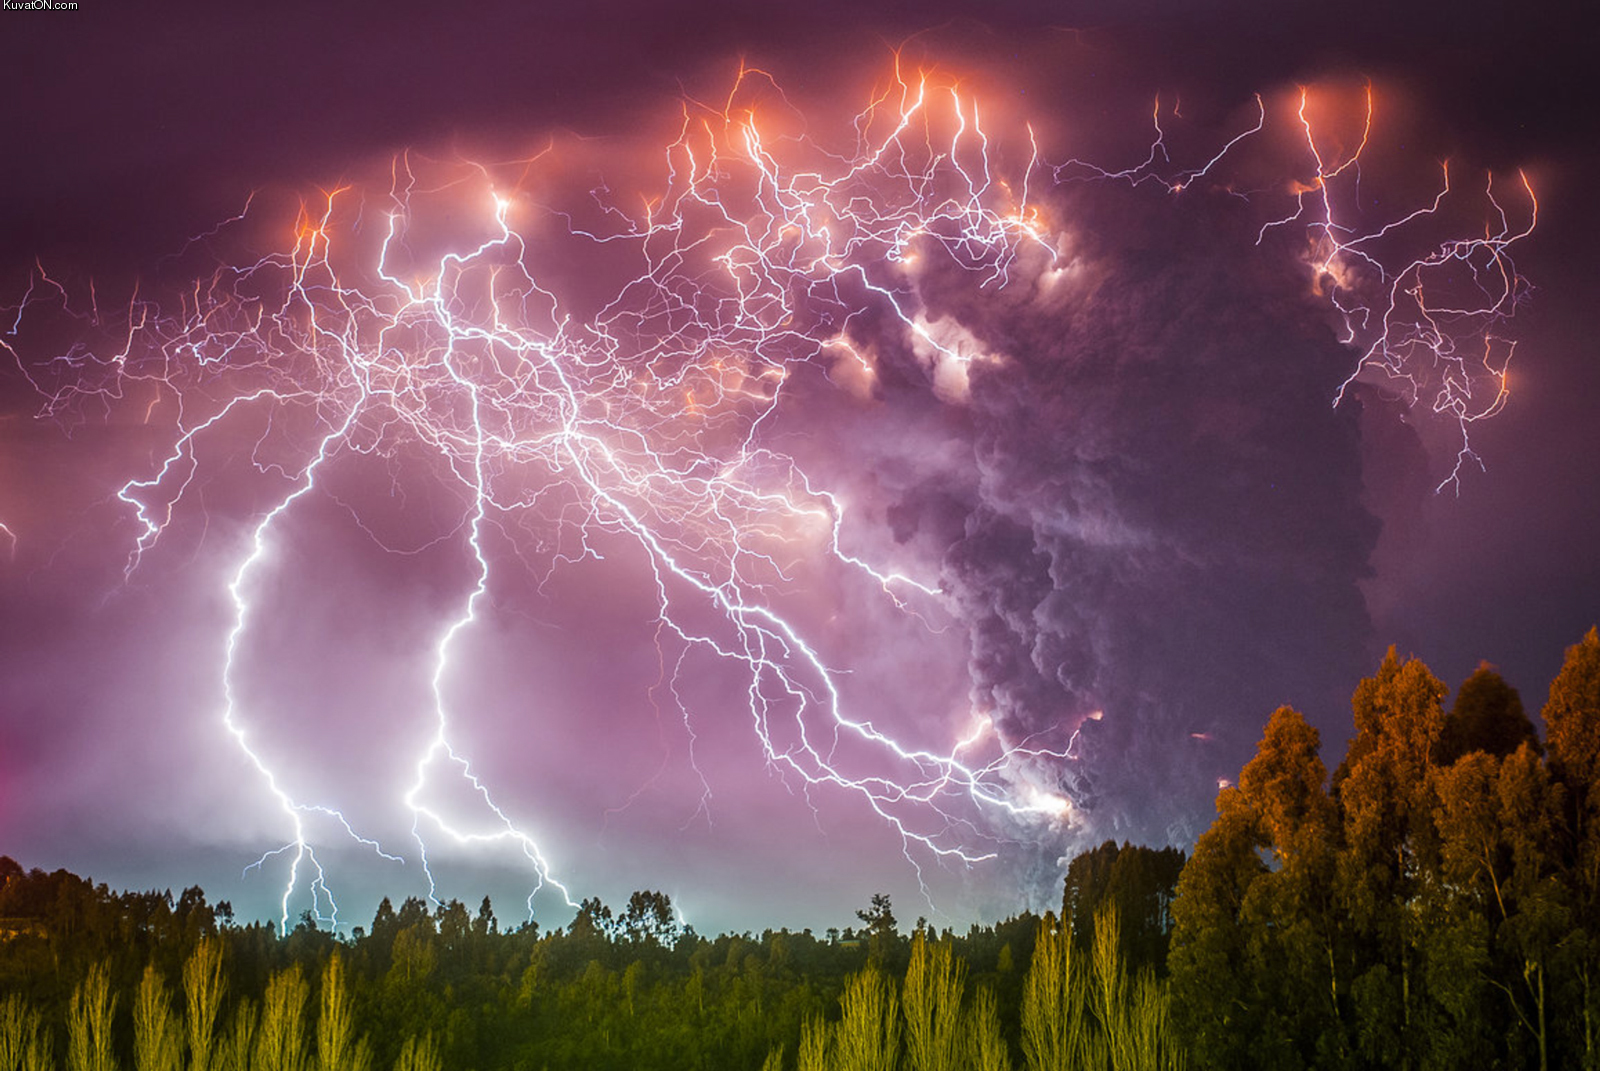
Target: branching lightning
{"points": [[565, 436], [1433, 322]]}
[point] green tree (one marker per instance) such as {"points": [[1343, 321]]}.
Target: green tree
{"points": [[867, 1037], [24, 1043], [1053, 1001], [418, 1054], [281, 1037], [1133, 1017], [238, 1048], [650, 919], [593, 922], [157, 1031], [90, 1015], [1108, 994], [881, 924], [931, 1000], [339, 1047], [986, 1044], [816, 1046], [203, 988]]}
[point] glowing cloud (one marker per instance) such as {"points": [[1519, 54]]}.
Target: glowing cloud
{"points": [[632, 417]]}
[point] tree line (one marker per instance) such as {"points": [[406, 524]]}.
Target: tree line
{"points": [[1433, 903], [92, 980]]}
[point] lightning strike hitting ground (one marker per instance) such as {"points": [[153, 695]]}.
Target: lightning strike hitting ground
{"points": [[563, 427]]}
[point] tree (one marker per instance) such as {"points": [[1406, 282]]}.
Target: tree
{"points": [[986, 1044], [338, 1046], [418, 1054], [1530, 806], [412, 957], [24, 1043], [281, 1039], [1140, 881], [237, 1051], [593, 922], [931, 1000], [1488, 717], [1419, 915], [1133, 1018], [1572, 724], [1296, 946], [1390, 847], [867, 1037], [203, 986], [1572, 733], [1053, 996], [880, 922], [1213, 988], [157, 1035], [192, 913], [650, 919], [816, 1046], [485, 924], [89, 1022], [1462, 911]]}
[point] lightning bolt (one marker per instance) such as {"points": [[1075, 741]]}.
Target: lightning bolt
{"points": [[566, 435], [1446, 350]]}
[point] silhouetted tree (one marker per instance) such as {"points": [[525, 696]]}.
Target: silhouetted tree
{"points": [[1140, 882], [880, 921], [650, 919], [1487, 716]]}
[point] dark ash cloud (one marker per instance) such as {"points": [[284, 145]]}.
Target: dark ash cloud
{"points": [[1155, 512]]}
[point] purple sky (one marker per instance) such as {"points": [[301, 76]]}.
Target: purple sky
{"points": [[1147, 506]]}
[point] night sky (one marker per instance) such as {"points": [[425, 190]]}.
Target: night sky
{"points": [[1138, 503]]}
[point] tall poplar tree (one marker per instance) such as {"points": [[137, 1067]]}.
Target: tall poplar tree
{"points": [[931, 1001], [157, 1032], [203, 988]]}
